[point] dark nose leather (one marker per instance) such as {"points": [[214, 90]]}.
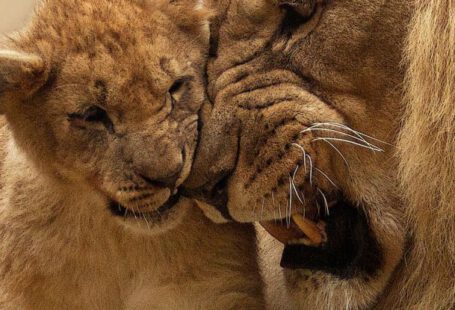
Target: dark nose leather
{"points": [[167, 181], [149, 175]]}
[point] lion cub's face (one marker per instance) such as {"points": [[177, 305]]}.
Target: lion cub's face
{"points": [[109, 97]]}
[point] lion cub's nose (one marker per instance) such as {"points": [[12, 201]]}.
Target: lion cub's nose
{"points": [[165, 173], [167, 181]]}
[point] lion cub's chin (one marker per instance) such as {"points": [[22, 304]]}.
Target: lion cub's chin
{"points": [[161, 220]]}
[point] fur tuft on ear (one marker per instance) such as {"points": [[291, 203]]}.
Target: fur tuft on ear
{"points": [[21, 74]]}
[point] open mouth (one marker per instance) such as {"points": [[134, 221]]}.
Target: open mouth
{"points": [[303, 229], [118, 210], [297, 230], [339, 241]]}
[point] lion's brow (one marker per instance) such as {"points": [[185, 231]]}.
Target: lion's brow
{"points": [[102, 91]]}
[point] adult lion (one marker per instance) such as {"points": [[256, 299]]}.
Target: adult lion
{"points": [[306, 121]]}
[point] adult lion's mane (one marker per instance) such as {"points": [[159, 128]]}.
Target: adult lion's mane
{"points": [[427, 152]]}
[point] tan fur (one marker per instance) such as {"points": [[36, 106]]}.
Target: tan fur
{"points": [[346, 65], [60, 245]]}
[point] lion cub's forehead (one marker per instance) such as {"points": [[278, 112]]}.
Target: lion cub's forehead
{"points": [[132, 90], [117, 27], [132, 45]]}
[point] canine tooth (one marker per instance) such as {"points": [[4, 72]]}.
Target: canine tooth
{"points": [[309, 229]]}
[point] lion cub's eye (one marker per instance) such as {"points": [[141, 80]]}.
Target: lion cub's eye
{"points": [[177, 90], [94, 117]]}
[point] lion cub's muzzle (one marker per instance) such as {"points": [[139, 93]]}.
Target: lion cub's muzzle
{"points": [[143, 193]]}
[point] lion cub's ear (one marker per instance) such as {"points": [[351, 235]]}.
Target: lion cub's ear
{"points": [[21, 75]]}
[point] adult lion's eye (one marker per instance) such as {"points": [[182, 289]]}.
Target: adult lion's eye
{"points": [[94, 117], [304, 8], [95, 114], [298, 12]]}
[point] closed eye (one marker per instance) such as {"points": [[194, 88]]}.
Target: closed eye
{"points": [[93, 117], [297, 14], [178, 88]]}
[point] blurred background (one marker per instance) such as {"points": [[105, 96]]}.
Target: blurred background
{"points": [[14, 14]]}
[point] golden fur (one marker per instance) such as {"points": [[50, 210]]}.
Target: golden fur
{"points": [[288, 80], [100, 102], [427, 153]]}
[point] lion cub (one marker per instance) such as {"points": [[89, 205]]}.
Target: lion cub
{"points": [[100, 100]]}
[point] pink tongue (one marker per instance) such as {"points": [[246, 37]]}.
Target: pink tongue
{"points": [[281, 232]]}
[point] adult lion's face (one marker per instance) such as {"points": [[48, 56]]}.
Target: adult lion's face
{"points": [[305, 110]]}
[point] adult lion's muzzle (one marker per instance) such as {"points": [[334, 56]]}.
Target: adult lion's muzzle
{"points": [[212, 200], [214, 162]]}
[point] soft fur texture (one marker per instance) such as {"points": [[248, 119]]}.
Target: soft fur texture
{"points": [[287, 81], [427, 152], [100, 101]]}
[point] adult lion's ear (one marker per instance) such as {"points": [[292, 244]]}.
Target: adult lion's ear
{"points": [[21, 75]]}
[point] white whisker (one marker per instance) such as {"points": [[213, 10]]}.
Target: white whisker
{"points": [[254, 208], [304, 153], [146, 222], [359, 134], [325, 202], [372, 148], [356, 132], [293, 185], [338, 151], [288, 218], [311, 168], [326, 176], [279, 209], [134, 214], [358, 138], [295, 172]]}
